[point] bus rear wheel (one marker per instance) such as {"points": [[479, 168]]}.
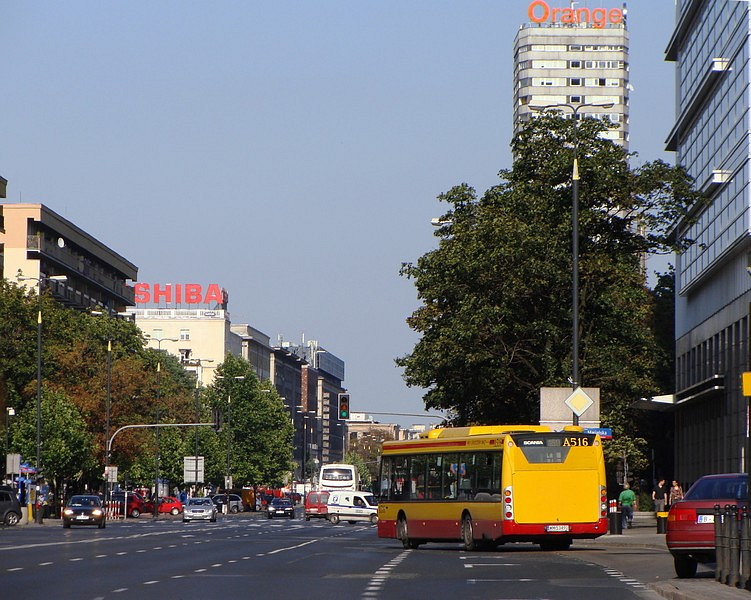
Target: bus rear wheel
{"points": [[402, 532], [468, 533]]}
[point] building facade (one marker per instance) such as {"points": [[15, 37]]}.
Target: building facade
{"points": [[579, 61], [36, 243], [710, 48]]}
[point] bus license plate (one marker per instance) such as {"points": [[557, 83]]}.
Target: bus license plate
{"points": [[705, 518], [555, 528]]}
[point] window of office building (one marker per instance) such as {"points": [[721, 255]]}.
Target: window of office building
{"points": [[575, 81], [541, 63]]}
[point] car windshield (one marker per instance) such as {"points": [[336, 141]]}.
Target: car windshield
{"points": [[199, 502], [719, 488], [84, 501], [281, 502]]}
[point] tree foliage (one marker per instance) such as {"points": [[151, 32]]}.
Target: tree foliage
{"points": [[495, 315], [256, 426], [75, 356]]}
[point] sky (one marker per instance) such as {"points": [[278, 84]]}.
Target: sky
{"points": [[290, 151]]}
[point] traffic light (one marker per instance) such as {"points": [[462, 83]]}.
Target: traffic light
{"points": [[218, 418], [343, 406]]}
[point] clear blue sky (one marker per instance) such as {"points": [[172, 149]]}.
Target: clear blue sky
{"points": [[289, 151]]}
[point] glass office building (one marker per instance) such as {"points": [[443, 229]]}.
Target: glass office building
{"points": [[710, 48]]}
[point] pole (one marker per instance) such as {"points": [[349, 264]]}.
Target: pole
{"points": [[304, 452], [195, 478], [229, 445], [39, 402], [156, 452], [575, 274], [107, 425]]}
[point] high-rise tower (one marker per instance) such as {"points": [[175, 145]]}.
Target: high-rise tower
{"points": [[573, 56]]}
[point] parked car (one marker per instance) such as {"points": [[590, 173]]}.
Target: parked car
{"points": [[280, 507], [136, 504], [199, 509], [10, 508], [690, 526], [84, 510], [167, 504], [235, 502], [315, 505]]}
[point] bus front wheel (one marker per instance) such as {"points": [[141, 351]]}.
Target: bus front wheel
{"points": [[402, 532], [468, 533]]}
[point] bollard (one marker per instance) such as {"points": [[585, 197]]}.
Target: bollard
{"points": [[718, 544], [616, 525], [662, 522], [745, 570], [733, 548]]}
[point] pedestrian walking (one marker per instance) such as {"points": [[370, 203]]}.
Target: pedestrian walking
{"points": [[660, 496], [626, 501]]}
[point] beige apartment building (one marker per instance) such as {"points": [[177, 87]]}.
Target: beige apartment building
{"points": [[37, 244]]}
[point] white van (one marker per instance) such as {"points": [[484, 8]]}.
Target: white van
{"points": [[352, 506]]}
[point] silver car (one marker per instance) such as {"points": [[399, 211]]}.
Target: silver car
{"points": [[199, 509]]}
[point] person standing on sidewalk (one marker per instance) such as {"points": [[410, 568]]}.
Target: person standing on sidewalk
{"points": [[626, 501], [676, 493], [660, 496]]}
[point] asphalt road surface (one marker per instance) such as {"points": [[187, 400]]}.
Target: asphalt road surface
{"points": [[246, 556]]}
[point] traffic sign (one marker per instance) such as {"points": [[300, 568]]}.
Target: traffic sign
{"points": [[579, 401]]}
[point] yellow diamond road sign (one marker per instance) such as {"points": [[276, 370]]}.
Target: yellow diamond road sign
{"points": [[579, 402]]}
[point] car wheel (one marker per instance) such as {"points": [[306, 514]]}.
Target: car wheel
{"points": [[351, 522], [102, 525], [269, 515], [186, 520], [685, 566], [213, 519], [234, 510], [66, 524], [334, 519], [468, 536], [12, 518], [307, 518], [135, 513], [373, 519], [292, 515], [174, 511]]}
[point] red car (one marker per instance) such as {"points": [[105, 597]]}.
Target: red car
{"points": [[167, 504], [690, 531]]}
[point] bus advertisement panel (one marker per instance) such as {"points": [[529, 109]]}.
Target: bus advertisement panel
{"points": [[489, 485]]}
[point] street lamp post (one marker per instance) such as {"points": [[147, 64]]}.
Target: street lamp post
{"points": [[199, 379], [9, 412], [158, 399], [40, 282], [228, 477], [574, 238]]}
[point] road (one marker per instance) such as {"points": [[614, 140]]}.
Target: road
{"points": [[248, 556]]}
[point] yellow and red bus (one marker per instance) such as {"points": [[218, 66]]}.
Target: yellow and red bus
{"points": [[490, 485]]}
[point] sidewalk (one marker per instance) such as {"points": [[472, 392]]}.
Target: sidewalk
{"points": [[644, 535]]}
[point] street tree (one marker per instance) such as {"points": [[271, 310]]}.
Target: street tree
{"points": [[256, 425], [495, 316], [67, 451]]}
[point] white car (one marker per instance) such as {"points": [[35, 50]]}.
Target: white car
{"points": [[199, 509]]}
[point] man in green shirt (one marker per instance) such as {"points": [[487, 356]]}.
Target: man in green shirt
{"points": [[626, 501]]}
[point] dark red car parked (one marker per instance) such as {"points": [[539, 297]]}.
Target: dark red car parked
{"points": [[690, 531]]}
